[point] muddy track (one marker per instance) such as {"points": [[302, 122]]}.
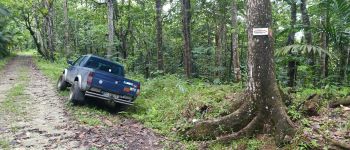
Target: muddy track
{"points": [[33, 116]]}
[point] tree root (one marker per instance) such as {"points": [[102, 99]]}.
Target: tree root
{"points": [[334, 142], [227, 124], [246, 121], [338, 102], [247, 131]]}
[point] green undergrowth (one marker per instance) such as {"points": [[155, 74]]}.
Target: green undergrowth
{"points": [[170, 104], [326, 94]]}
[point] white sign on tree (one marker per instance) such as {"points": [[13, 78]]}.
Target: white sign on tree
{"points": [[260, 31]]}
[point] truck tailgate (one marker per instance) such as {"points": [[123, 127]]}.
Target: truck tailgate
{"points": [[108, 82]]}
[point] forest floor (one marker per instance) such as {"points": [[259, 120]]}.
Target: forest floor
{"points": [[34, 116]]}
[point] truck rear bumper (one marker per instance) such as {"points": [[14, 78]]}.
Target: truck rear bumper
{"points": [[100, 96]]}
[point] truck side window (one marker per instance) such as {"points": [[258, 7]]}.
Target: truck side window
{"points": [[83, 60], [78, 61]]}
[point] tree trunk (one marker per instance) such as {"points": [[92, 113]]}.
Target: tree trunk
{"points": [[186, 29], [324, 45], [66, 29], [308, 35], [262, 84], [110, 48], [159, 28], [218, 48], [126, 33], [262, 106], [29, 27], [292, 65], [234, 44], [49, 29]]}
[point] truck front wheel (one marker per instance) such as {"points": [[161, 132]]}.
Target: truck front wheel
{"points": [[75, 94]]}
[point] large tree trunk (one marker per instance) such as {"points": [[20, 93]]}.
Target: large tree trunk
{"points": [[234, 44], [292, 65], [66, 29], [262, 84], [159, 28], [262, 106], [49, 29], [110, 47], [186, 29]]}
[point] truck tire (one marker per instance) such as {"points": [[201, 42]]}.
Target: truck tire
{"points": [[61, 83], [75, 94]]}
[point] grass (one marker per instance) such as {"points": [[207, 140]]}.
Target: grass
{"points": [[14, 101], [170, 104], [4, 144]]}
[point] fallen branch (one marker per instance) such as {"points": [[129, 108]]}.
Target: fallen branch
{"points": [[338, 102], [334, 142]]}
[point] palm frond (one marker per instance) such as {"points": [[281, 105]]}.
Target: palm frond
{"points": [[301, 49]]}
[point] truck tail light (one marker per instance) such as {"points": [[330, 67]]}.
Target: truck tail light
{"points": [[138, 89], [89, 79], [126, 89]]}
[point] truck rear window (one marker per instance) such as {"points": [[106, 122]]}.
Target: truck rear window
{"points": [[105, 66]]}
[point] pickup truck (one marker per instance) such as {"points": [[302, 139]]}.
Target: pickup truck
{"points": [[93, 76]]}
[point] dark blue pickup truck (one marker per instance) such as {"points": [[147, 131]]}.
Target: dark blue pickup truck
{"points": [[92, 76]]}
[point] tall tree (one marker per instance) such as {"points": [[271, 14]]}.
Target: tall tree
{"points": [[324, 44], [307, 32], [159, 28], [186, 30], [234, 43], [66, 28], [292, 64], [262, 105], [49, 28], [110, 13], [220, 38]]}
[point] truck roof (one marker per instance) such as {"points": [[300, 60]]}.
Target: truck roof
{"points": [[91, 55]]}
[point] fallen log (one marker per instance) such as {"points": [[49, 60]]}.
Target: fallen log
{"points": [[338, 102]]}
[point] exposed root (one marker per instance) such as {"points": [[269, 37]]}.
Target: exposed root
{"points": [[334, 142], [247, 131], [227, 124], [284, 127], [338, 102], [237, 102]]}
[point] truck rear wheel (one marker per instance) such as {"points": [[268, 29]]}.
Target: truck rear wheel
{"points": [[61, 84], [75, 94]]}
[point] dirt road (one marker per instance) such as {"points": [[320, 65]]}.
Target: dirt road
{"points": [[33, 116]]}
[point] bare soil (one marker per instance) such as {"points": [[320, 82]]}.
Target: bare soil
{"points": [[41, 120]]}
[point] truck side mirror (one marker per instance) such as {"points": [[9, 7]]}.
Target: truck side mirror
{"points": [[70, 62]]}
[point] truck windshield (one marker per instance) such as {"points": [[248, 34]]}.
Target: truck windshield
{"points": [[105, 66]]}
